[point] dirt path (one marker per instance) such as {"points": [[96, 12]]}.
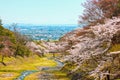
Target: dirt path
{"points": [[47, 71]]}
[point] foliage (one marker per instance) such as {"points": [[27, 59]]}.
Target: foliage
{"points": [[12, 43], [0, 22], [110, 8], [5, 32], [21, 41], [97, 10], [94, 56], [1, 46], [116, 38], [92, 13], [21, 50], [115, 47], [115, 42], [7, 41]]}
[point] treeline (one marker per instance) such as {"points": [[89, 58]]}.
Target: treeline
{"points": [[12, 43], [97, 10]]}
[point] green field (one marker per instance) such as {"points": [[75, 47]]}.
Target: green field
{"points": [[15, 66]]}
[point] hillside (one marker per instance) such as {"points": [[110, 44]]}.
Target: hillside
{"points": [[92, 52], [89, 53], [7, 43], [19, 60], [11, 44]]}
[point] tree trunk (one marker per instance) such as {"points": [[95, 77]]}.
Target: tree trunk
{"points": [[108, 76], [16, 52], [53, 54], [2, 61]]}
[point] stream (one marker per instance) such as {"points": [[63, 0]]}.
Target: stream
{"points": [[28, 72], [25, 73]]}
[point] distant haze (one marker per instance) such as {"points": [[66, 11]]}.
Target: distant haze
{"points": [[44, 32]]}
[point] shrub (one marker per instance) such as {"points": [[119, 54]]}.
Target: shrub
{"points": [[116, 38]]}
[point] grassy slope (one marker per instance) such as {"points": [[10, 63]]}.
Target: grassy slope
{"points": [[16, 65], [58, 75]]}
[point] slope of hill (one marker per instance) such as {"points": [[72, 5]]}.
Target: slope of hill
{"points": [[93, 52], [11, 44]]}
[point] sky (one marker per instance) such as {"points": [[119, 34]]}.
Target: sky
{"points": [[41, 11]]}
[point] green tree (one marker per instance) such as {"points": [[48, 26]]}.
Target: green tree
{"points": [[0, 21], [6, 49], [21, 41]]}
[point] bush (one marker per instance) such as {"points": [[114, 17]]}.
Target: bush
{"points": [[116, 38], [22, 50], [14, 41]]}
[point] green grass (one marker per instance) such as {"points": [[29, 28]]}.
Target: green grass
{"points": [[115, 47], [27, 63], [58, 75], [16, 65], [32, 76]]}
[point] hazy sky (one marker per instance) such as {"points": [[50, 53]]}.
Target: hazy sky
{"points": [[41, 11]]}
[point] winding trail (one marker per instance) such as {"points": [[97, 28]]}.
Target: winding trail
{"points": [[25, 73], [47, 75], [43, 75]]}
